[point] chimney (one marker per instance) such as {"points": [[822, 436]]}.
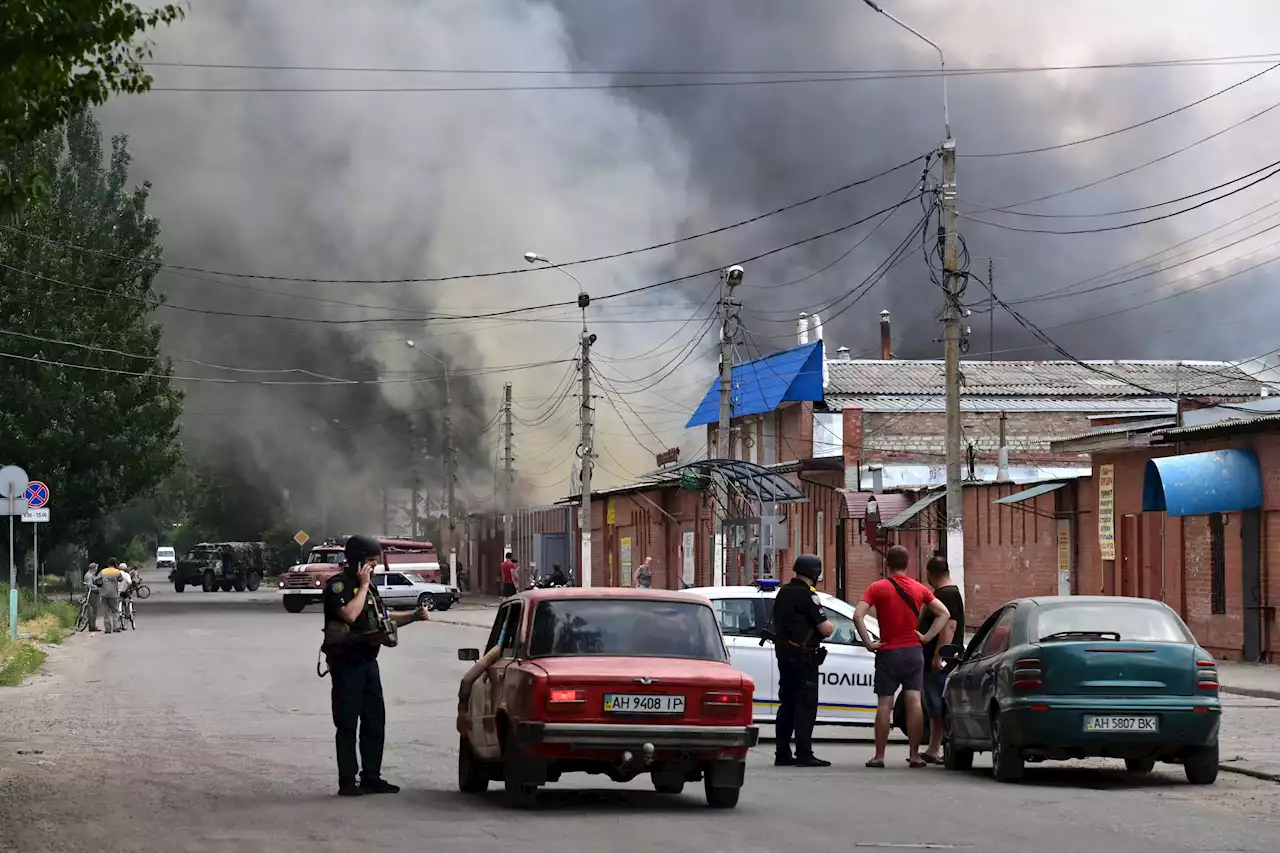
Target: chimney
{"points": [[802, 329], [842, 354], [877, 478], [815, 323], [1002, 455], [886, 339]]}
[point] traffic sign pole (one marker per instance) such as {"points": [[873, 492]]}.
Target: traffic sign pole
{"points": [[13, 571]]}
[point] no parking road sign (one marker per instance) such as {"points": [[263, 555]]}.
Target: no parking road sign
{"points": [[37, 494]]}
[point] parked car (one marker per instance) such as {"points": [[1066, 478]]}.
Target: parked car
{"points": [[409, 589], [846, 696], [1058, 678], [166, 558], [617, 682]]}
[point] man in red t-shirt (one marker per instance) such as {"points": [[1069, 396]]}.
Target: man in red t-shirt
{"points": [[509, 569], [898, 600]]}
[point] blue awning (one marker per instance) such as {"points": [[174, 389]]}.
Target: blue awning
{"points": [[1201, 483], [762, 385]]}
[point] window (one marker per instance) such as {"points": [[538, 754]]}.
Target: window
{"points": [[1000, 635], [1142, 622], [738, 617], [845, 634], [1217, 565], [573, 627], [980, 638], [511, 631], [380, 581], [499, 622], [397, 579]]}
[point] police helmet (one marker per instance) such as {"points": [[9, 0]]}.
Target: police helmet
{"points": [[360, 548], [809, 566]]}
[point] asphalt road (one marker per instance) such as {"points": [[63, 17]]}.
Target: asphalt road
{"points": [[208, 730]]}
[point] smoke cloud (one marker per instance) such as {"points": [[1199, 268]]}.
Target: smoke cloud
{"points": [[417, 184]]}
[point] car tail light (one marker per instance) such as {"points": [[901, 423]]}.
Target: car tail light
{"points": [[1206, 674], [723, 700], [1027, 674], [561, 696]]}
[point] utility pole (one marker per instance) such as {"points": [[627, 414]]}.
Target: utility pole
{"points": [[991, 288], [450, 474], [586, 419], [730, 278], [951, 338], [506, 467]]}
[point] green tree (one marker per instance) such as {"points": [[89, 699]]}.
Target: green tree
{"points": [[56, 59], [89, 407]]}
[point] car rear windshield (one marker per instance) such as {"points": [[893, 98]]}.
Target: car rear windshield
{"points": [[1141, 622], [625, 627]]}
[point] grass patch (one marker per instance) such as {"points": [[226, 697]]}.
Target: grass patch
{"points": [[48, 629], [18, 659]]}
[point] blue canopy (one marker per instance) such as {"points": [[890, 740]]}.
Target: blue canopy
{"points": [[1201, 483], [762, 385]]}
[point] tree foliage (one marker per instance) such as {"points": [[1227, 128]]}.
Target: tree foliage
{"points": [[56, 59], [89, 406]]}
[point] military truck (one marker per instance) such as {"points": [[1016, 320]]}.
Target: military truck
{"points": [[222, 565]]}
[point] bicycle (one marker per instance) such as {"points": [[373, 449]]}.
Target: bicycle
{"points": [[142, 591], [82, 618], [126, 613]]}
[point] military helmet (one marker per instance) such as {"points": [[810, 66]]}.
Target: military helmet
{"points": [[808, 565], [359, 548]]}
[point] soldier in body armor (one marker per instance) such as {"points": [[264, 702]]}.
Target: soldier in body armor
{"points": [[357, 625]]}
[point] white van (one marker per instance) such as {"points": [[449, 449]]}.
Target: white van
{"points": [[166, 558]]}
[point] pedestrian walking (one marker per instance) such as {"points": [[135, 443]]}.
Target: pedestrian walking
{"points": [[800, 624], [898, 601], [510, 570], [644, 574], [356, 626], [92, 594], [938, 575], [109, 581]]}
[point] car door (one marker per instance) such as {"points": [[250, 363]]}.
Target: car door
{"points": [[982, 676], [960, 702], [484, 693], [740, 621], [846, 693]]}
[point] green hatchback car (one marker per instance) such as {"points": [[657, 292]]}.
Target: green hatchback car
{"points": [[1056, 678]]}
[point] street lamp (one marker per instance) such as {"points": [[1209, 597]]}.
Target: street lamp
{"points": [[450, 461], [946, 115], [586, 418]]}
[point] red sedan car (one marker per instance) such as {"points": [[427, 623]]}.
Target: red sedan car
{"points": [[617, 682]]}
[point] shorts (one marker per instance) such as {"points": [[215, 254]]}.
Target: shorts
{"points": [[508, 590], [899, 668], [934, 682]]}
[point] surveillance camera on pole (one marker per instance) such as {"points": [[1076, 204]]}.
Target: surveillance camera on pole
{"points": [[733, 276]]}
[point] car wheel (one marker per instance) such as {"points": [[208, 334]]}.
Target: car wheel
{"points": [[255, 581], [1006, 761], [427, 600], [226, 586], [667, 783], [1139, 765], [442, 606], [954, 757], [238, 583], [1201, 765], [471, 776], [179, 586], [520, 795], [721, 798], [293, 604], [208, 582]]}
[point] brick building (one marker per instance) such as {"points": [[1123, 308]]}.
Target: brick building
{"points": [[1192, 519]]}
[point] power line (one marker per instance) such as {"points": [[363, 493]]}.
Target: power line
{"points": [[1127, 128], [458, 277]]}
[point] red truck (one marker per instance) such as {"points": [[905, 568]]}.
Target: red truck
{"points": [[304, 583]]}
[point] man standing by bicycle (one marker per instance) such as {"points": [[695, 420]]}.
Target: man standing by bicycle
{"points": [[109, 582], [91, 594]]}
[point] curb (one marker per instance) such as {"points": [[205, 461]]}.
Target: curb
{"points": [[1264, 775], [1256, 692]]}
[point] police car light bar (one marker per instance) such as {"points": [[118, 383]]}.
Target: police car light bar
{"points": [[766, 583]]}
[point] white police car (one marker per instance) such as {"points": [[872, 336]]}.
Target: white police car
{"points": [[845, 696]]}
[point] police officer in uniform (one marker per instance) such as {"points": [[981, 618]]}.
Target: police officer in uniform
{"points": [[800, 625], [357, 625]]}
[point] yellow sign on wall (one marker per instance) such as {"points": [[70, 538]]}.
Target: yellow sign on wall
{"points": [[624, 559], [610, 516], [1107, 511]]}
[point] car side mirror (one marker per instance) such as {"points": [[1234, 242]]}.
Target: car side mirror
{"points": [[469, 654]]}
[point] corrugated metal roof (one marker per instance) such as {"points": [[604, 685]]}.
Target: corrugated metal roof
{"points": [[888, 504], [1029, 494], [914, 510], [1129, 426], [763, 384], [1221, 427], [895, 403], [1044, 378]]}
